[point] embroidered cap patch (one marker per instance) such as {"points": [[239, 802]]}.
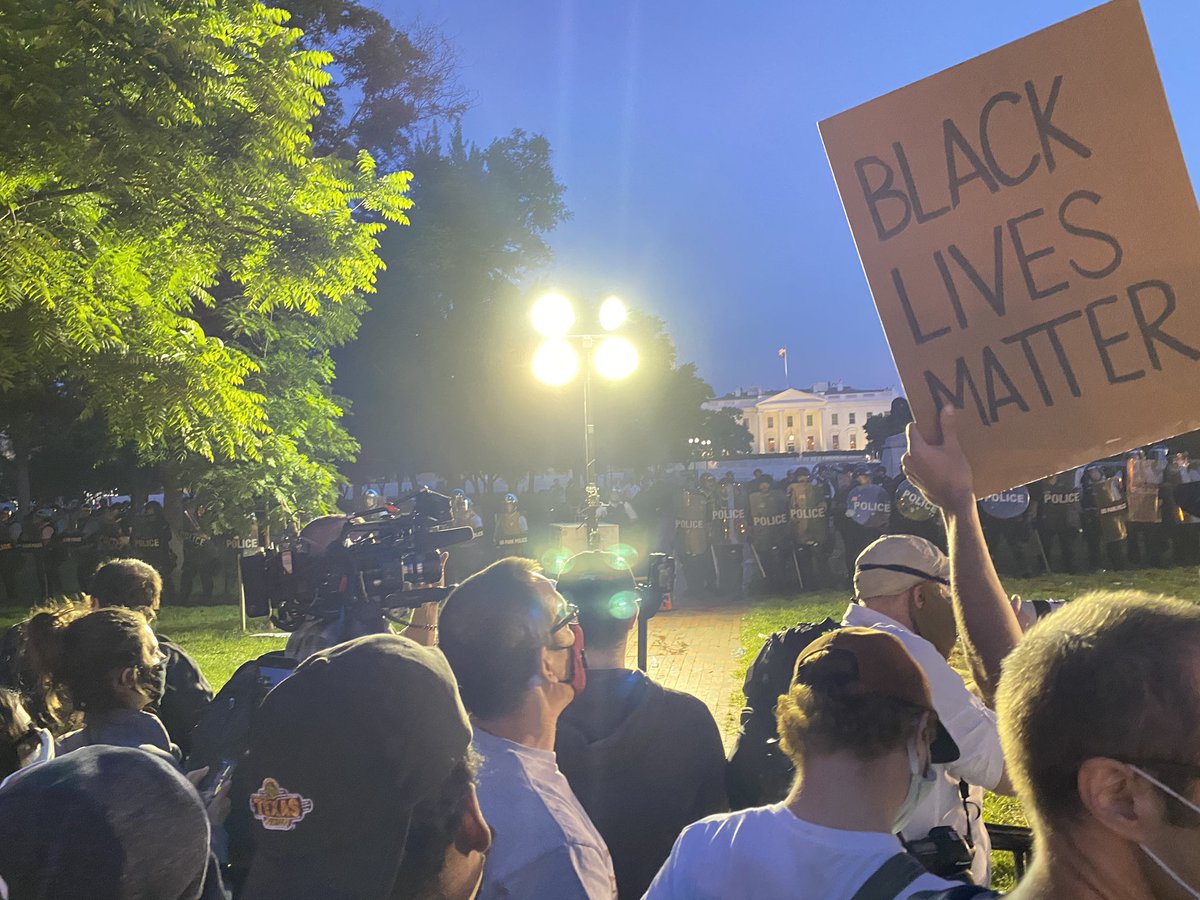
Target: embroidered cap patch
{"points": [[277, 808]]}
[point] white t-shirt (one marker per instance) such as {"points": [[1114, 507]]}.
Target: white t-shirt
{"points": [[767, 852], [972, 725], [545, 846]]}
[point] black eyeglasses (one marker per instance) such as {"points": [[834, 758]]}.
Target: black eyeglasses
{"points": [[566, 617]]}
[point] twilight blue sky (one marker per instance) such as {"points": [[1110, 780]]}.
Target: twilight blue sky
{"points": [[685, 132]]}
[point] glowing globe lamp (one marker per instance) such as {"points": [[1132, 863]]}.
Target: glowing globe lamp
{"points": [[615, 358], [552, 316], [612, 314], [555, 362]]}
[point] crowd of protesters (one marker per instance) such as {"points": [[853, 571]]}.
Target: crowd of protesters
{"points": [[481, 753]]}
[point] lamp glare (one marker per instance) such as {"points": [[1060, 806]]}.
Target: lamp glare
{"points": [[612, 313], [553, 316], [555, 362], [616, 358]]}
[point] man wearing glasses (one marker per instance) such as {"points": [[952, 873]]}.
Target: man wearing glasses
{"points": [[517, 651], [901, 586]]}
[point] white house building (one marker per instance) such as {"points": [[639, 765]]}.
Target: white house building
{"points": [[826, 416]]}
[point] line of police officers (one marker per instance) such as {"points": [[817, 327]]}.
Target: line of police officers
{"points": [[51, 551], [806, 530]]}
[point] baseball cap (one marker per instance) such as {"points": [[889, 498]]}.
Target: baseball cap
{"points": [[896, 562], [880, 666], [103, 821], [340, 754]]}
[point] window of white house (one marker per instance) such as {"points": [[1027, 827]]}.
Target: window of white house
{"points": [[789, 422], [853, 441], [808, 420], [835, 442], [851, 418], [809, 443], [770, 421], [833, 419], [770, 445]]}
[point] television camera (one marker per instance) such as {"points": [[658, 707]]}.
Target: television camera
{"points": [[362, 566]]}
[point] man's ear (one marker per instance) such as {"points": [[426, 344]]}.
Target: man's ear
{"points": [[917, 594], [548, 673], [1118, 798], [474, 835]]}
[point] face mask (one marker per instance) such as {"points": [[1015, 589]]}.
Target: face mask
{"points": [[43, 752], [1150, 853], [934, 619], [152, 680], [919, 786]]}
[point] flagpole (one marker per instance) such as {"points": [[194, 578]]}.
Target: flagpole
{"points": [[787, 381]]}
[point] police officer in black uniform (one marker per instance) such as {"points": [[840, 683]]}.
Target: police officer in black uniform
{"points": [[1104, 526], [201, 556], [810, 528], [151, 540], [693, 539], [770, 535], [1059, 516], [868, 512]]}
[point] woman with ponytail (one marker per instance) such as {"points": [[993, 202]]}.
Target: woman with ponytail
{"points": [[100, 671]]}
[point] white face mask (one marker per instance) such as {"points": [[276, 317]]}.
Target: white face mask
{"points": [[43, 752], [919, 786], [1150, 853]]}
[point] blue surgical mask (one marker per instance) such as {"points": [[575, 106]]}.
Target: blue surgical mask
{"points": [[1150, 853], [920, 784]]}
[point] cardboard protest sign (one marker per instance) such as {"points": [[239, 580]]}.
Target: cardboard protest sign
{"points": [[1032, 242]]}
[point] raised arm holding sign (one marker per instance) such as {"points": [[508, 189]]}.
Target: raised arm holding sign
{"points": [[987, 625]]}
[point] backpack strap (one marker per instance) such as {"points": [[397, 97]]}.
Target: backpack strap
{"points": [[886, 882]]}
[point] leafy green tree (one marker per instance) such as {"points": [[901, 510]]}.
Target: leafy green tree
{"points": [[388, 86], [880, 428], [167, 227], [439, 375]]}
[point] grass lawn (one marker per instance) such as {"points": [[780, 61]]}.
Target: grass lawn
{"points": [[773, 614]]}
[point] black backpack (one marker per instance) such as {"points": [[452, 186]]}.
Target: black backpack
{"points": [[222, 734], [759, 772]]}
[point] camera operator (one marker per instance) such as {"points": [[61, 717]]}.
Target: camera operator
{"points": [[859, 724], [517, 652], [621, 743], [901, 585]]}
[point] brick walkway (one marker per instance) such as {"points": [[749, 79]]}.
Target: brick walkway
{"points": [[698, 651]]}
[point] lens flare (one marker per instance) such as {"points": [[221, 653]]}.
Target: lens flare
{"points": [[623, 556], [554, 560], [623, 605]]}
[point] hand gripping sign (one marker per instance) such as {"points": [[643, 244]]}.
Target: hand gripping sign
{"points": [[1030, 236]]}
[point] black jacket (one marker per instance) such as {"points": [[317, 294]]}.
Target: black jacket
{"points": [[645, 762], [188, 694]]}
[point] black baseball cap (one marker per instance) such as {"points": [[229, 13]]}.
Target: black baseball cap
{"points": [[340, 754], [103, 821]]}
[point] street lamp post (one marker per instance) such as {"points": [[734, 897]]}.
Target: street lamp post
{"points": [[555, 362]]}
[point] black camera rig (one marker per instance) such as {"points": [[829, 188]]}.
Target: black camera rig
{"points": [[387, 558]]}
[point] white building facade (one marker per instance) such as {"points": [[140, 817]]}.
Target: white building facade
{"points": [[827, 416]]}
